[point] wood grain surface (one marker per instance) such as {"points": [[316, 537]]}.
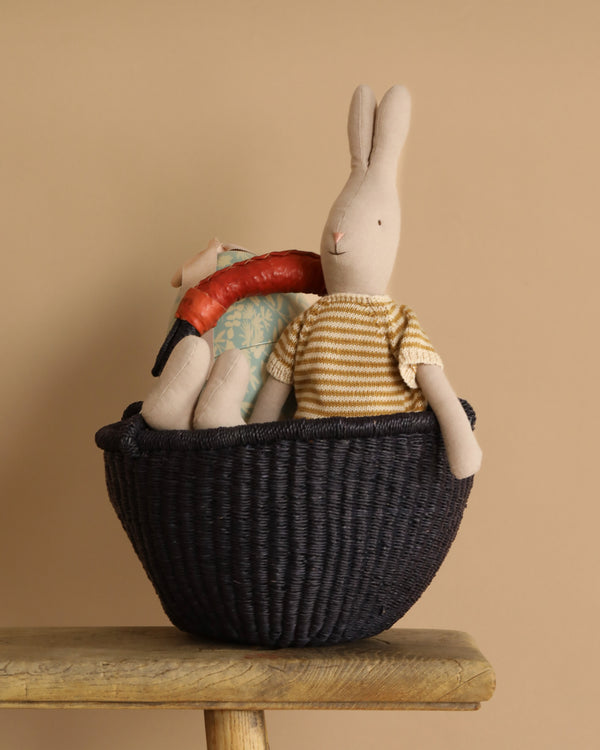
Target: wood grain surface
{"points": [[226, 730], [161, 667]]}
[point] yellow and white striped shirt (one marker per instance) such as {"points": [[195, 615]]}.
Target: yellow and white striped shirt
{"points": [[353, 355]]}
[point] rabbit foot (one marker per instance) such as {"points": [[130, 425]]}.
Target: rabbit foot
{"points": [[170, 404], [220, 402]]}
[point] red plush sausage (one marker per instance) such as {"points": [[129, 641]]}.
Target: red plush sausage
{"points": [[282, 271]]}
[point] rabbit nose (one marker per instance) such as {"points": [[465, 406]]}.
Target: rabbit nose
{"points": [[337, 236]]}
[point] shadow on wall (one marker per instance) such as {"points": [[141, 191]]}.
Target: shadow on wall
{"points": [[64, 558], [101, 729]]}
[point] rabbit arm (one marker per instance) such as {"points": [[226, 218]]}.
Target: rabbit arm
{"points": [[462, 448], [201, 265], [270, 401]]}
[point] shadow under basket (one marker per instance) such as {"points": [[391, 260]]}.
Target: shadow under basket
{"points": [[295, 533]]}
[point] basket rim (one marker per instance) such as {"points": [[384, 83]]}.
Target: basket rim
{"points": [[133, 436]]}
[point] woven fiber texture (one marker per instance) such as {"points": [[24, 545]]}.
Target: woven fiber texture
{"points": [[296, 533]]}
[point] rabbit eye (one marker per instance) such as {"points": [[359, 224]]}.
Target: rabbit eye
{"points": [[379, 222]]}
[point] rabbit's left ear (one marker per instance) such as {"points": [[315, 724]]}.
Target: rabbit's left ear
{"points": [[392, 121], [360, 127]]}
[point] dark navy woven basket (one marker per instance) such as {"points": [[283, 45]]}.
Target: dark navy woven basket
{"points": [[295, 533]]}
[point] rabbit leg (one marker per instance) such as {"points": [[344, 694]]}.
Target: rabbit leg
{"points": [[170, 404], [220, 402]]}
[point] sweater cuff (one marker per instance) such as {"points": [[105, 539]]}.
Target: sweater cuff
{"points": [[279, 371], [411, 358]]}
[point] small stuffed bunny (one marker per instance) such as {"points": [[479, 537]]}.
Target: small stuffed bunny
{"points": [[212, 379], [355, 352]]}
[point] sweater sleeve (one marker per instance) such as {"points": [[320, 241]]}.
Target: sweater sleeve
{"points": [[281, 362], [410, 345]]}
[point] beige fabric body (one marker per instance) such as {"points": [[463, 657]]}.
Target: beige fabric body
{"points": [[353, 355]]}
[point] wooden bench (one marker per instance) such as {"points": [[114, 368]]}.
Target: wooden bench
{"points": [[160, 667]]}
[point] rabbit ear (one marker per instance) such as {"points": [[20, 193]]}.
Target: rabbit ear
{"points": [[391, 128], [360, 127]]}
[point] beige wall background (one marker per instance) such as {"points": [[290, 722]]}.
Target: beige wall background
{"points": [[131, 131]]}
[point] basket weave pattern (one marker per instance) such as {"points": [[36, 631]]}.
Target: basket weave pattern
{"points": [[297, 533]]}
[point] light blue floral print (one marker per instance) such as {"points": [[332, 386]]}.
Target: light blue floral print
{"points": [[253, 325]]}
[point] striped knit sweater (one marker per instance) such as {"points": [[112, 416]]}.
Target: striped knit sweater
{"points": [[353, 355]]}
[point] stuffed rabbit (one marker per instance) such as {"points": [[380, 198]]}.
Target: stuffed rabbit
{"points": [[356, 352], [211, 379], [171, 403]]}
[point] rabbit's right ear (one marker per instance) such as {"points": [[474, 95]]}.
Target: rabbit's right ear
{"points": [[361, 119], [391, 128]]}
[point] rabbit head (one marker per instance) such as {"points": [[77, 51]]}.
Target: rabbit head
{"points": [[361, 236]]}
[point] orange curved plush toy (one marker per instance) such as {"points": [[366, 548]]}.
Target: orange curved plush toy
{"points": [[283, 271]]}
